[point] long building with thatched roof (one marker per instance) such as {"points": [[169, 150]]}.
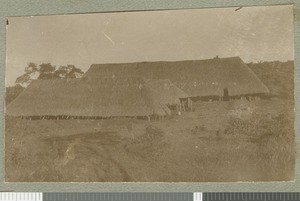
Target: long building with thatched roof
{"points": [[198, 78], [106, 97]]}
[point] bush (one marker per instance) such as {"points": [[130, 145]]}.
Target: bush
{"points": [[266, 144], [198, 129], [150, 136], [261, 126], [150, 144]]}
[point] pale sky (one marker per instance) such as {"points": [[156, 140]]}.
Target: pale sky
{"points": [[253, 33]]}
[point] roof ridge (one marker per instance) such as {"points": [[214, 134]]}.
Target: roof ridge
{"points": [[168, 61]]}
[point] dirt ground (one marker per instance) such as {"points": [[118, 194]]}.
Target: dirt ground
{"points": [[236, 140]]}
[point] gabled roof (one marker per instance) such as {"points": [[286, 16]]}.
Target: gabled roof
{"points": [[195, 77], [86, 97], [165, 91]]}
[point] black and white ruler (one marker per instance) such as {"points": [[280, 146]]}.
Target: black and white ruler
{"points": [[149, 196]]}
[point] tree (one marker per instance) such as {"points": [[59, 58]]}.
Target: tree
{"points": [[69, 71], [46, 68], [31, 67], [47, 71]]}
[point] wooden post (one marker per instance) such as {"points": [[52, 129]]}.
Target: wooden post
{"points": [[189, 103], [181, 106], [148, 118]]}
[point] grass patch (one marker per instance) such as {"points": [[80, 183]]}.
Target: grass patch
{"points": [[147, 145], [268, 144]]}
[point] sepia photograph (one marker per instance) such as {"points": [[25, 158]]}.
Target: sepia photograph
{"points": [[190, 95]]}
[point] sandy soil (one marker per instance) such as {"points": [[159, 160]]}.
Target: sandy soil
{"points": [[219, 141]]}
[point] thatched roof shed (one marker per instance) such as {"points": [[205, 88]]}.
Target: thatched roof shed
{"points": [[197, 78], [165, 91], [106, 97]]}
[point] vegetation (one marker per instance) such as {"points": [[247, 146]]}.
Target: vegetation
{"points": [[261, 126], [277, 76], [270, 140], [194, 147], [47, 71], [148, 143]]}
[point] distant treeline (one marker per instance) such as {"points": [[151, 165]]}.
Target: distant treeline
{"points": [[277, 76]]}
